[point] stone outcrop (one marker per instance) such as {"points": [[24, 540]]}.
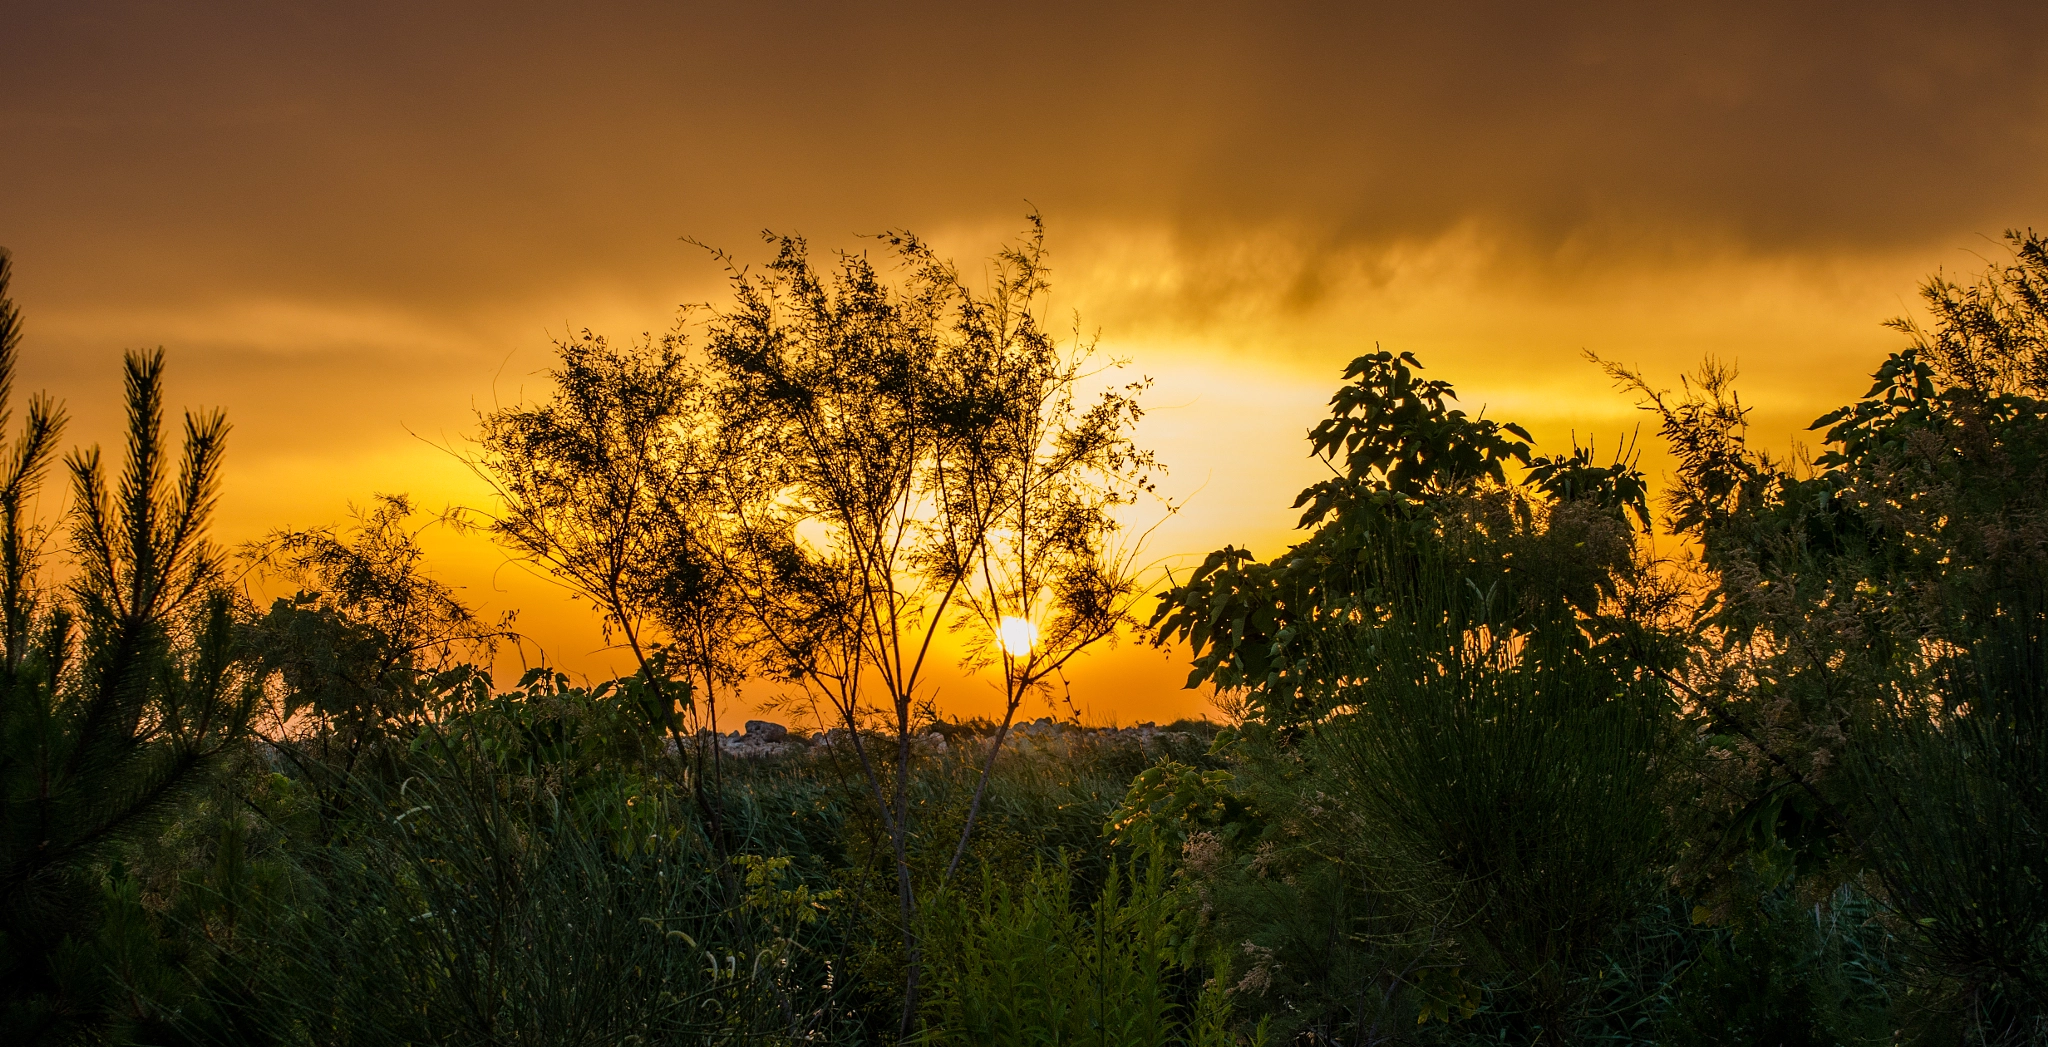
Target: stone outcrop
{"points": [[762, 739]]}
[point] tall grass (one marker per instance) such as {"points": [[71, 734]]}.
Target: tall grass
{"points": [[468, 906], [1029, 964]]}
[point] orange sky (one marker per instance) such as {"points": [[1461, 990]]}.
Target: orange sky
{"points": [[352, 225]]}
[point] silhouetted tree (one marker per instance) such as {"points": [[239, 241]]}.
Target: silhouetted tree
{"points": [[607, 487], [908, 460], [365, 648], [119, 694], [1453, 741], [1869, 640]]}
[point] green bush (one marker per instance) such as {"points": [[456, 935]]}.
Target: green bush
{"points": [[471, 907], [1029, 964]]}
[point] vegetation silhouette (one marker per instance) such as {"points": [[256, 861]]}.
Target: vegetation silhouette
{"points": [[1496, 764]]}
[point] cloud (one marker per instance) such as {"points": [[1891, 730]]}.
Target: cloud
{"points": [[410, 150], [350, 220]]}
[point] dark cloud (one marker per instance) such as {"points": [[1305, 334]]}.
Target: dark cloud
{"points": [[397, 149]]}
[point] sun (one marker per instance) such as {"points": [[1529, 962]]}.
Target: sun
{"points": [[1017, 635]]}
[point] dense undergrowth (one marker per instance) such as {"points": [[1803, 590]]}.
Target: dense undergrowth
{"points": [[1491, 768]]}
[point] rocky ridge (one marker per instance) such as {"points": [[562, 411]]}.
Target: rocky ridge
{"points": [[765, 739]]}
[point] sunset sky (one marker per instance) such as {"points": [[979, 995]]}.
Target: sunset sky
{"points": [[353, 225]]}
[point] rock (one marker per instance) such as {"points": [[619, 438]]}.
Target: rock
{"points": [[1039, 728], [763, 731]]}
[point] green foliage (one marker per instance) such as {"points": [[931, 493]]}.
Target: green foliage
{"points": [[1496, 776], [1024, 964], [1618, 487], [1456, 742], [1948, 797], [366, 621], [546, 726], [610, 488], [1420, 491], [1864, 654], [1791, 972], [357, 656], [1170, 799], [471, 908], [1283, 919], [1516, 795], [851, 466], [908, 457], [120, 697], [1397, 434]]}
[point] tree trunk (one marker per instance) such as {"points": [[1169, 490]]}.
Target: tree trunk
{"points": [[913, 957]]}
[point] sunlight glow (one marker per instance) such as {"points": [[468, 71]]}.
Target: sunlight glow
{"points": [[1017, 635]]}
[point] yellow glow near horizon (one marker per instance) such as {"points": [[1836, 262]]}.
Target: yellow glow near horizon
{"points": [[1017, 635], [353, 236]]}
